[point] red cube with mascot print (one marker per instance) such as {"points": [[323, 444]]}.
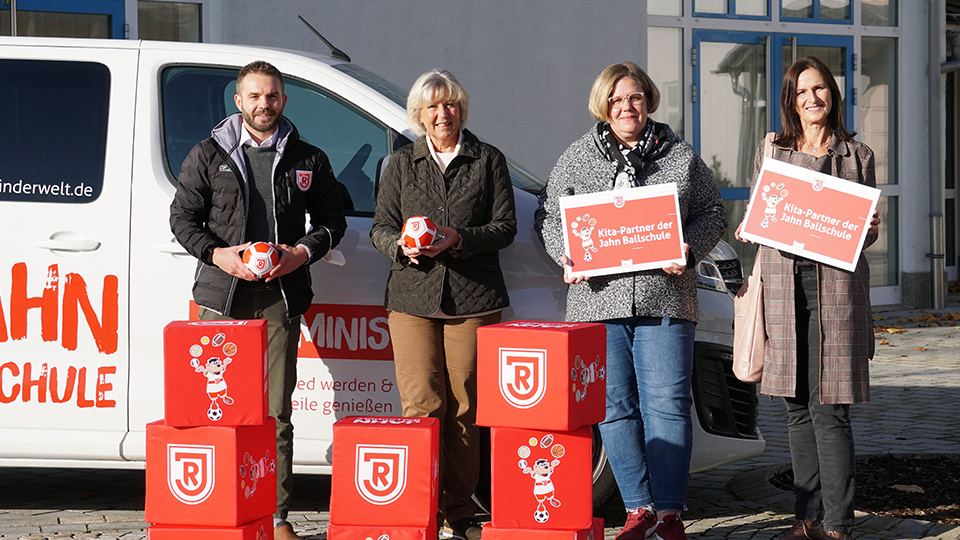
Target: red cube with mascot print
{"points": [[215, 373], [541, 375], [541, 480], [385, 472], [215, 476]]}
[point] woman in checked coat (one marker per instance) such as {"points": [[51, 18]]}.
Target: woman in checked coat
{"points": [[818, 320]]}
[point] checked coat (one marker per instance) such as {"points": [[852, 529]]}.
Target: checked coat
{"points": [[846, 323]]}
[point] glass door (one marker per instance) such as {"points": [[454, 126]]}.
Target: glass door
{"points": [[737, 78]]}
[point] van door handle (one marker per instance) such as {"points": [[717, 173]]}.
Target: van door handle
{"points": [[172, 248], [68, 245]]}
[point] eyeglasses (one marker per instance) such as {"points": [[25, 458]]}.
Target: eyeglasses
{"points": [[635, 99]]}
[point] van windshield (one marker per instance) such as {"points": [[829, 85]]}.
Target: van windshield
{"points": [[378, 83]]}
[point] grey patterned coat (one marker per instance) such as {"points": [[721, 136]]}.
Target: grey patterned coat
{"points": [[583, 168], [846, 323]]}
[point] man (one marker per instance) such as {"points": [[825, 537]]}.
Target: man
{"points": [[254, 180]]}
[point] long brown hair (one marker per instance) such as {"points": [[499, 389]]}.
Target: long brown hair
{"points": [[791, 130]]}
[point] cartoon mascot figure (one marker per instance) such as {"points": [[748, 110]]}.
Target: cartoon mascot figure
{"points": [[772, 197], [583, 228], [216, 385], [543, 488]]}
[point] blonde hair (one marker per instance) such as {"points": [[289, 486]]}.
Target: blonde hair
{"points": [[603, 88], [432, 87]]}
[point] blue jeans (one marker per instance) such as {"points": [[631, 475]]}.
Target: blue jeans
{"points": [[648, 433]]}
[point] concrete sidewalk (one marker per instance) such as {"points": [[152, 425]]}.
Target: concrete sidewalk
{"points": [[915, 405]]}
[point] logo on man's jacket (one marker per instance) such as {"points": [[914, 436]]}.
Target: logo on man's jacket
{"points": [[304, 179]]}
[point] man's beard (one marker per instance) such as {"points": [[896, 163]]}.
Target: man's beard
{"points": [[262, 126]]}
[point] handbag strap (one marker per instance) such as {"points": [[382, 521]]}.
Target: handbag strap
{"points": [[768, 145]]}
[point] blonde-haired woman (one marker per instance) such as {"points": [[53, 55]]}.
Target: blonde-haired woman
{"points": [[437, 296], [651, 315]]}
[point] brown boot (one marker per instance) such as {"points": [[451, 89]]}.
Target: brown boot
{"points": [[837, 535], [285, 532], [804, 530]]}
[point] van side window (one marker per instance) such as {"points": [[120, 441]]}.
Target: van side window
{"points": [[54, 140], [195, 99]]}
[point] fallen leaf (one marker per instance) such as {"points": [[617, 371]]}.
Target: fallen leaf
{"points": [[918, 349], [894, 330], [909, 489], [919, 318], [884, 342]]}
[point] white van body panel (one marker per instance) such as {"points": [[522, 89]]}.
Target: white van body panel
{"points": [[344, 367], [78, 260]]}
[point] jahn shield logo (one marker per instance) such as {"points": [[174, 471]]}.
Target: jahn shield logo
{"points": [[381, 473], [523, 376], [190, 472]]}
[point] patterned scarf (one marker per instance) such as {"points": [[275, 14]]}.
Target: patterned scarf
{"points": [[630, 160]]}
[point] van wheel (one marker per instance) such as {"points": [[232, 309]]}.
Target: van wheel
{"points": [[604, 484]]}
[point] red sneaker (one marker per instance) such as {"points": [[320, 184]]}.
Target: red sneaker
{"points": [[640, 525], [671, 528]]}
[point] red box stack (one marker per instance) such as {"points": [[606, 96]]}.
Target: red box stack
{"points": [[385, 478], [542, 386], [211, 462]]}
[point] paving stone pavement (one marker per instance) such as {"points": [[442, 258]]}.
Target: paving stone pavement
{"points": [[915, 388]]}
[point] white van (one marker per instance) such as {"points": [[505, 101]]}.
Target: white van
{"points": [[94, 136]]}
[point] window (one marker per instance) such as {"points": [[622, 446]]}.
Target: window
{"points": [[878, 12], [54, 142], [353, 141], [749, 8], [665, 68], [195, 99], [168, 21], [812, 10], [51, 24], [665, 7], [878, 103]]}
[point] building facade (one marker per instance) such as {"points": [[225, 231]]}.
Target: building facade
{"points": [[718, 64]]}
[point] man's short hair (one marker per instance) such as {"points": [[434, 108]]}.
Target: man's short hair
{"points": [[259, 67]]}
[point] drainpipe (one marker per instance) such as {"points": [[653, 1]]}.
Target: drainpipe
{"points": [[953, 65], [935, 121]]}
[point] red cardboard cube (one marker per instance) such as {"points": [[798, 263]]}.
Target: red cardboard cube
{"points": [[541, 375], [261, 529], [594, 532], [215, 373], [541, 479], [383, 532], [211, 476], [385, 471]]}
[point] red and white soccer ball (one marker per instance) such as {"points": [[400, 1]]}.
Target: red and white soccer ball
{"points": [[419, 231], [260, 258]]}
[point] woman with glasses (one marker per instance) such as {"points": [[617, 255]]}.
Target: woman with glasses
{"points": [[650, 316]]}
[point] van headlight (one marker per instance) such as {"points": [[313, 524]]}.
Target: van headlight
{"points": [[709, 276]]}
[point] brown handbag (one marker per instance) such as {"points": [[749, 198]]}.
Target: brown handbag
{"points": [[749, 332]]}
